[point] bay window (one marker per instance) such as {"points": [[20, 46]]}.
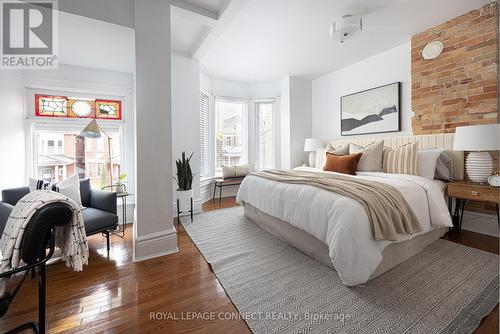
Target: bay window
{"points": [[235, 131]]}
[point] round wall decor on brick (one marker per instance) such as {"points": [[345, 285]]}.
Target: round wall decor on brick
{"points": [[432, 50]]}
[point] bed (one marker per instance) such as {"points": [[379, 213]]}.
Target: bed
{"points": [[335, 230]]}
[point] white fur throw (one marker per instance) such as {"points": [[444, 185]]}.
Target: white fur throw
{"points": [[70, 238]]}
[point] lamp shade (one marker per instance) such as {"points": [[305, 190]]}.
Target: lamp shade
{"points": [[312, 144], [477, 138], [92, 130]]}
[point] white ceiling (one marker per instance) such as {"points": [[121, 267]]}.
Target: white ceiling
{"points": [[268, 40]]}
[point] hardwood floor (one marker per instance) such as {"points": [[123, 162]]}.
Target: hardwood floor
{"points": [[113, 294]]}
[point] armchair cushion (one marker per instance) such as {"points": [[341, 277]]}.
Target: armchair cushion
{"points": [[97, 220], [12, 196], [85, 192], [103, 200], [5, 210]]}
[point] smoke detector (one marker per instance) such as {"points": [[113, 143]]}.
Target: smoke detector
{"points": [[345, 28]]}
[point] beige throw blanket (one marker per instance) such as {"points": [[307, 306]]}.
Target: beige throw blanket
{"points": [[387, 210]]}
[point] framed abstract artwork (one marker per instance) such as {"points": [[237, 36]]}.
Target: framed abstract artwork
{"points": [[375, 110]]}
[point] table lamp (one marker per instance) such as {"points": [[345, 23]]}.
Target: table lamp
{"points": [[311, 145], [477, 140]]}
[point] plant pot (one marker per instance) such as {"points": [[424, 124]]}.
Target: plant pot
{"points": [[184, 197], [120, 189]]}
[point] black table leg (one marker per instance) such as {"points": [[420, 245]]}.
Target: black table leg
{"points": [[498, 216], [178, 214], [461, 215], [191, 209], [220, 194], [215, 189]]}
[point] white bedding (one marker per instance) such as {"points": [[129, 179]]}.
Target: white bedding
{"points": [[341, 222]]}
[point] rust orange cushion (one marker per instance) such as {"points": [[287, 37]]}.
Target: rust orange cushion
{"points": [[345, 164]]}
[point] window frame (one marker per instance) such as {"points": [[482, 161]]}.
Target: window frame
{"points": [[43, 124], [256, 102], [206, 173], [245, 124]]}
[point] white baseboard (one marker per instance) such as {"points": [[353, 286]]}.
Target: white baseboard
{"points": [[480, 223], [155, 244]]}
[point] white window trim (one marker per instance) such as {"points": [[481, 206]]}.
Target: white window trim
{"points": [[246, 132], [274, 127], [125, 126]]}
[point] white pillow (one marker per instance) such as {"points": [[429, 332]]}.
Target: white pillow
{"points": [[233, 171], [371, 160], [321, 154], [427, 161], [70, 187]]}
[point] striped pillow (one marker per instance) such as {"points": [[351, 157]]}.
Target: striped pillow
{"points": [[68, 187], [402, 160]]}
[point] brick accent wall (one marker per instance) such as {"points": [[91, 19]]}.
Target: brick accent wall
{"points": [[460, 87]]}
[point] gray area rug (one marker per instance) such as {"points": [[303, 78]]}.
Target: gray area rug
{"points": [[448, 288]]}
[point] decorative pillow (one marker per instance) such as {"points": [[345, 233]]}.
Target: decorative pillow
{"points": [[443, 167], [321, 154], [339, 150], [70, 187], [345, 164], [401, 161], [426, 162], [371, 161], [234, 171]]}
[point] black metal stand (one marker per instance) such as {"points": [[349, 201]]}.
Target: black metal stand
{"points": [[179, 212], [458, 213], [37, 327]]}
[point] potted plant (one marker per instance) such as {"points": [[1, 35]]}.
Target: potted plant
{"points": [[120, 183], [184, 181]]}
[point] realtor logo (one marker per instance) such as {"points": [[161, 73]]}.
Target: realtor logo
{"points": [[28, 34]]}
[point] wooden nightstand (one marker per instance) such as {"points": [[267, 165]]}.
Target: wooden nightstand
{"points": [[463, 191]]}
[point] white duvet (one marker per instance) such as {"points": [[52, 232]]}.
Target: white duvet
{"points": [[341, 222]]}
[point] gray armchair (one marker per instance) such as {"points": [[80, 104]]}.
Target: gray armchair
{"points": [[99, 215]]}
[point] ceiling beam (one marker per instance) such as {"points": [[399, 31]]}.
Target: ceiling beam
{"points": [[194, 13], [228, 14]]}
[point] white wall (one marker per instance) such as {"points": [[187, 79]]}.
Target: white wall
{"points": [[296, 105], [300, 119], [186, 118], [390, 66], [11, 130]]}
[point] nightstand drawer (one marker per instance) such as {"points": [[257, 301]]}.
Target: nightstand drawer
{"points": [[474, 193]]}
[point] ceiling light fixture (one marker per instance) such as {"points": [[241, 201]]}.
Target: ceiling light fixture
{"points": [[346, 28]]}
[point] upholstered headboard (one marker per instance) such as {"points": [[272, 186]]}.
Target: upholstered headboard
{"points": [[444, 141]]}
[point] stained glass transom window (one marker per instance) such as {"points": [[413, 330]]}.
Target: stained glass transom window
{"points": [[69, 107]]}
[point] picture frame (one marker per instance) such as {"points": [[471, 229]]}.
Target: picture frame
{"points": [[374, 110]]}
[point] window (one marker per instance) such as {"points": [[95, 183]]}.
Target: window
{"points": [[69, 107], [230, 136], [50, 146], [265, 136], [204, 134], [76, 155]]}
